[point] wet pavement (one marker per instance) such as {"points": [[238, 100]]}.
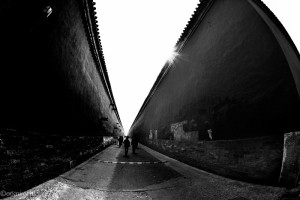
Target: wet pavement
{"points": [[144, 175]]}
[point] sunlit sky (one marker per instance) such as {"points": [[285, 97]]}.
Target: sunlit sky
{"points": [[138, 36]]}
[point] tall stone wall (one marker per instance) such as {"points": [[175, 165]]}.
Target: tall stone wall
{"points": [[233, 78], [56, 104], [51, 79], [230, 76]]}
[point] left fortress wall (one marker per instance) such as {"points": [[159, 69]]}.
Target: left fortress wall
{"points": [[56, 102], [53, 73]]}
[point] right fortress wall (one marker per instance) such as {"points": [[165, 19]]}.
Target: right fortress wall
{"points": [[231, 76]]}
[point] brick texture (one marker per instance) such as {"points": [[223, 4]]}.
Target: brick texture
{"points": [[28, 159], [255, 160]]}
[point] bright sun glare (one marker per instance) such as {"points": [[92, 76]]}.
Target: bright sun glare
{"points": [[172, 56]]}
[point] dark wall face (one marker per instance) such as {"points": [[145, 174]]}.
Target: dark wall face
{"points": [[231, 77], [49, 80]]}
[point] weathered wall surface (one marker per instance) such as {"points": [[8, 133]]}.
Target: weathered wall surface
{"points": [[257, 159], [50, 79], [230, 78]]}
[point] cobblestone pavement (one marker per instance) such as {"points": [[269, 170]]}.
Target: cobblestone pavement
{"points": [[145, 175]]}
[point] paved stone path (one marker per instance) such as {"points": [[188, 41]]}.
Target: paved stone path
{"points": [[145, 175]]}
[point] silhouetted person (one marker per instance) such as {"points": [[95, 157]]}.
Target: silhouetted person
{"points": [[126, 145], [134, 143], [208, 130], [120, 141]]}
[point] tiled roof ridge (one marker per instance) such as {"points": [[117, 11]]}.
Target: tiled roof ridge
{"points": [[202, 3], [190, 22], [96, 37]]}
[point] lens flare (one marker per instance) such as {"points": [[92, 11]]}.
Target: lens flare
{"points": [[174, 54]]}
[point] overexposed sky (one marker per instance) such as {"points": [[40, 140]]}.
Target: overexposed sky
{"points": [[138, 36]]}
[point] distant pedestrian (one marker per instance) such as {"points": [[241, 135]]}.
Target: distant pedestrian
{"points": [[126, 145], [208, 130], [120, 141], [134, 143]]}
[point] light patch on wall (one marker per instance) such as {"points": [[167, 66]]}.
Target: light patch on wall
{"points": [[180, 135], [153, 135]]}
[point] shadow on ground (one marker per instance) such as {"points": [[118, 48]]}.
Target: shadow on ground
{"points": [[111, 171], [137, 176]]}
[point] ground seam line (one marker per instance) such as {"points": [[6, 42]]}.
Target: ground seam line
{"points": [[131, 163]]}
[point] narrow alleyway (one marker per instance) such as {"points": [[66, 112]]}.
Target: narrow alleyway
{"points": [[145, 175]]}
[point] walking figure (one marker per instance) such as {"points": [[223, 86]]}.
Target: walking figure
{"points": [[120, 141], [126, 145], [208, 129], [134, 143]]}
